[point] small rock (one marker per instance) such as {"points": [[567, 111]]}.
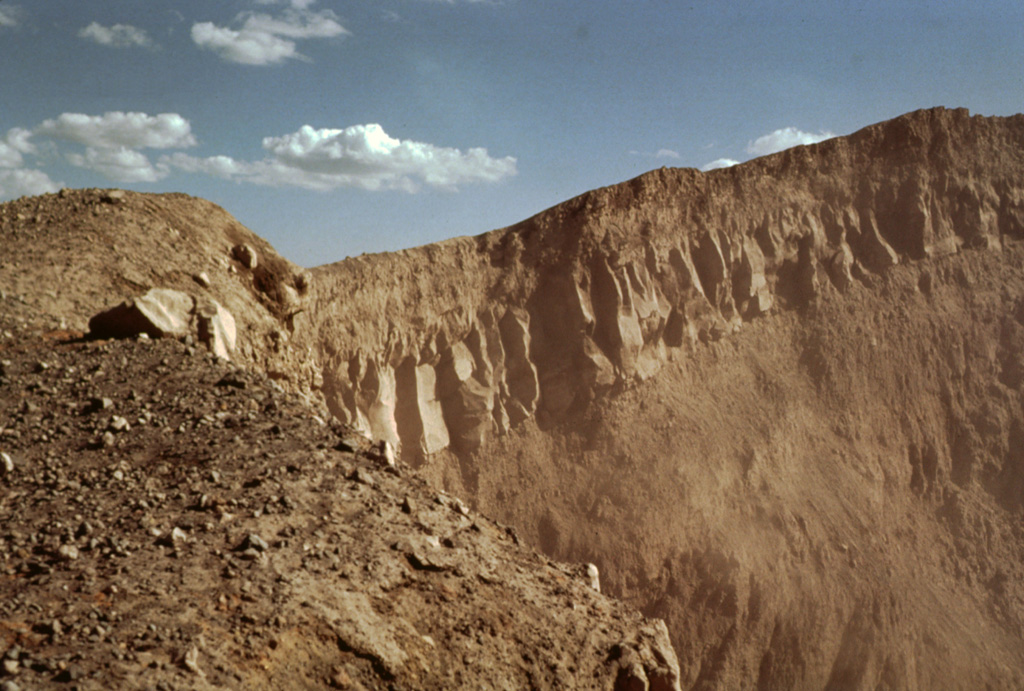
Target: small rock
{"points": [[245, 255], [108, 441], [386, 452], [191, 661], [408, 506], [119, 424], [362, 477], [96, 404], [178, 535], [9, 686], [254, 541], [202, 279], [6, 463], [340, 679], [593, 576], [68, 552], [11, 667]]}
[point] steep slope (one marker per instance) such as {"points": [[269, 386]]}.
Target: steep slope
{"points": [[778, 404]]}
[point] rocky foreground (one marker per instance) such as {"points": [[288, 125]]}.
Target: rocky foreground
{"points": [[168, 520]]}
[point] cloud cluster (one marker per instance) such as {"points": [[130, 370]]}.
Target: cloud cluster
{"points": [[112, 141], [15, 179], [719, 163], [786, 138], [361, 156], [116, 36], [262, 39], [666, 153]]}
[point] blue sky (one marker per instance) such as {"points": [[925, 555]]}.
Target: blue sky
{"points": [[334, 128]]}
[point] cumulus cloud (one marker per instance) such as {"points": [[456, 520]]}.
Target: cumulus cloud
{"points": [[15, 179], [116, 129], [19, 182], [13, 145], [116, 36], [112, 141], [262, 39], [666, 153], [719, 163], [361, 156], [245, 48], [120, 164], [785, 138]]}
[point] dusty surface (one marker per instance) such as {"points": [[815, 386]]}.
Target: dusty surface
{"points": [[171, 521], [778, 405]]}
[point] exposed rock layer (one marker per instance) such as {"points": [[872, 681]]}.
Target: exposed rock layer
{"points": [[775, 403]]}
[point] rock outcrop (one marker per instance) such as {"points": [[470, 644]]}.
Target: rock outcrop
{"points": [[450, 345], [774, 403]]}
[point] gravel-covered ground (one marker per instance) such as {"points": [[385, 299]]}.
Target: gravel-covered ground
{"points": [[168, 520]]}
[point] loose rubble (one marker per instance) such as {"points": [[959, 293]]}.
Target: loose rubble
{"points": [[168, 520]]}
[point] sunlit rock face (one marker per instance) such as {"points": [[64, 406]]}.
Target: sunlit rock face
{"points": [[448, 346]]}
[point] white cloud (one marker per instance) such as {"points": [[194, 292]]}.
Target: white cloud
{"points": [[243, 47], [10, 16], [297, 4], [116, 36], [13, 145], [15, 179], [112, 141], [117, 129], [719, 163], [217, 166], [666, 153], [361, 156], [785, 138], [120, 164], [9, 156], [265, 40], [19, 182], [298, 24]]}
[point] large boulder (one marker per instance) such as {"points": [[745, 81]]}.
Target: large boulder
{"points": [[164, 312], [160, 312]]}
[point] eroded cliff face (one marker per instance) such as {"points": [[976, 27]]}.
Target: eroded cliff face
{"points": [[777, 404], [451, 345]]}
